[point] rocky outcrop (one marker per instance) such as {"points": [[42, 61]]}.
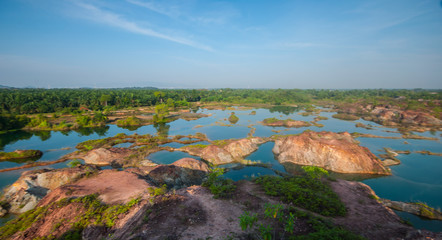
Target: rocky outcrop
{"points": [[103, 156], [227, 152], [182, 173], [243, 147], [388, 115], [337, 152], [418, 209], [32, 186]]}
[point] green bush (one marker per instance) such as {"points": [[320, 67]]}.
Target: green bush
{"points": [[219, 186]]}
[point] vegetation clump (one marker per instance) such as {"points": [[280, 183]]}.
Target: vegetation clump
{"points": [[309, 191], [130, 121], [233, 118], [20, 154]]}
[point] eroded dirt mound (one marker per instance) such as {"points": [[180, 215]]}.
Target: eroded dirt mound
{"points": [[337, 152], [33, 185], [111, 186]]}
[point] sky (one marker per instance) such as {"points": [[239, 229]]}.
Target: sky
{"points": [[326, 44]]}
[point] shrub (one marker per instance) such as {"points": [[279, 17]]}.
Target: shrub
{"points": [[307, 192], [219, 186]]}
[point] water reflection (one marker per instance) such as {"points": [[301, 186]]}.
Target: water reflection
{"points": [[162, 129], [286, 110], [12, 137]]}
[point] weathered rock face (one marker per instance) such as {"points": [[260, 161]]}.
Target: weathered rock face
{"points": [[337, 152], [243, 147], [233, 151], [32, 186], [182, 173], [103, 156]]}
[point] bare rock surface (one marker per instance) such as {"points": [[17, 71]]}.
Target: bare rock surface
{"points": [[337, 152], [103, 156]]}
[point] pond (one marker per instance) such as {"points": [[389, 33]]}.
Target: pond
{"points": [[417, 178]]}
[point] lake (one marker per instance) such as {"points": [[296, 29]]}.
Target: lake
{"points": [[417, 178]]}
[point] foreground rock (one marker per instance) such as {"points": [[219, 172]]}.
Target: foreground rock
{"points": [[337, 152], [32, 186], [226, 152]]}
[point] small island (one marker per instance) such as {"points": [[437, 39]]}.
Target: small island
{"points": [[274, 122], [18, 155]]}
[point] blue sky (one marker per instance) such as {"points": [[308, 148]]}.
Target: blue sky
{"points": [[211, 44]]}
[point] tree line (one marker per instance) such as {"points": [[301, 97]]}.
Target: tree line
{"points": [[29, 101]]}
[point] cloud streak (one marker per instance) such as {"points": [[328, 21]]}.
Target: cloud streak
{"points": [[171, 12], [109, 18]]}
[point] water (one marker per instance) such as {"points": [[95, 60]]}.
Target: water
{"points": [[166, 157], [417, 178]]}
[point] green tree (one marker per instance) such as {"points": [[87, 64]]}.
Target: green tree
{"points": [[161, 112]]}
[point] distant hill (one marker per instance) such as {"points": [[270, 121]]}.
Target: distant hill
{"points": [[3, 86]]}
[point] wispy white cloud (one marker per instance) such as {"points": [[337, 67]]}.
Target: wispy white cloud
{"points": [[169, 10], [397, 21], [96, 14], [217, 14], [293, 45]]}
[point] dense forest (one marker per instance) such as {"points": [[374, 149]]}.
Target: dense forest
{"points": [[14, 103], [28, 101]]}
